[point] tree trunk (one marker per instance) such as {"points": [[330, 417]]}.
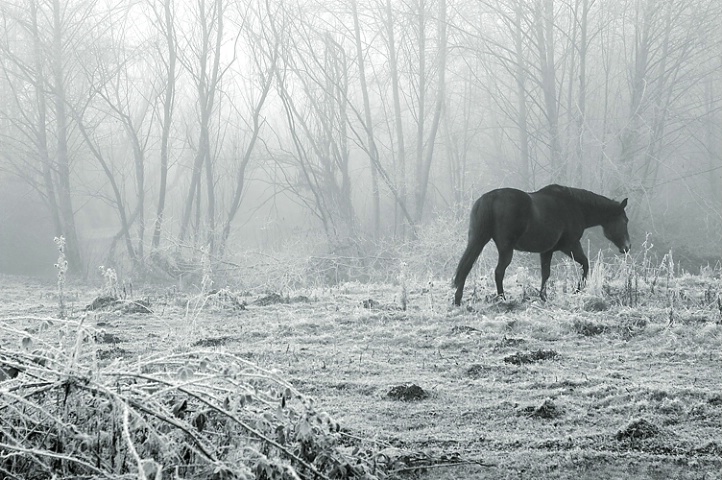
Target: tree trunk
{"points": [[41, 134], [521, 111], [440, 98], [398, 121], [207, 78], [168, 104], [372, 149], [581, 113], [545, 43], [65, 203], [421, 109]]}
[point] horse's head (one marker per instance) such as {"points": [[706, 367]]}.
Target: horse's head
{"points": [[615, 228]]}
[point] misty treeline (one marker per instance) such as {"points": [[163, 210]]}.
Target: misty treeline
{"points": [[368, 117]]}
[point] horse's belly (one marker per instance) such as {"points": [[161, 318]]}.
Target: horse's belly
{"points": [[537, 241]]}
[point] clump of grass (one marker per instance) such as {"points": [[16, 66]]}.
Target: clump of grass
{"points": [[630, 296], [110, 282], [596, 277]]}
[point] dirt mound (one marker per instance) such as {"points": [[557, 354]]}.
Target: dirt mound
{"points": [[547, 410], [407, 393], [106, 337], [213, 341], [475, 371], [521, 358], [270, 299], [588, 328], [137, 306], [112, 303], [462, 329], [371, 304], [101, 302], [275, 298], [113, 352], [637, 430], [511, 341]]}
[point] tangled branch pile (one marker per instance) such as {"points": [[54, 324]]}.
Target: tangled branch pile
{"points": [[200, 414]]}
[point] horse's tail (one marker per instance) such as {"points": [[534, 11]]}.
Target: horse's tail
{"points": [[479, 235]]}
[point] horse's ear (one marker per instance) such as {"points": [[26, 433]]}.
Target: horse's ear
{"points": [[624, 203]]}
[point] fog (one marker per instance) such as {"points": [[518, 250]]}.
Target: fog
{"points": [[156, 133]]}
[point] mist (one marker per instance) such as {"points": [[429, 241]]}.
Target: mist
{"points": [[153, 135]]}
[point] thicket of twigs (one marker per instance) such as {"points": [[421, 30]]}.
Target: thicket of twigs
{"points": [[190, 414]]}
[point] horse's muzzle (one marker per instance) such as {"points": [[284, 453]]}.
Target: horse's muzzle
{"points": [[624, 249]]}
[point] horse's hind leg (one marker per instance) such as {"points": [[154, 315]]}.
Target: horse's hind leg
{"points": [[473, 250], [479, 236], [506, 253], [546, 268]]}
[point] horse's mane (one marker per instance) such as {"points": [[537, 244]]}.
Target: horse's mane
{"points": [[580, 195]]}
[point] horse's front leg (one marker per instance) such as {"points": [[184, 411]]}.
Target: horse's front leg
{"points": [[577, 254], [546, 268]]}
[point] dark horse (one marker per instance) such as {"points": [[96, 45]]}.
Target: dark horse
{"points": [[549, 220]]}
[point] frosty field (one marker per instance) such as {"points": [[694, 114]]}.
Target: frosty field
{"points": [[578, 387]]}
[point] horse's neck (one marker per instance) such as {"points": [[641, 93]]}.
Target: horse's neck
{"points": [[595, 214]]}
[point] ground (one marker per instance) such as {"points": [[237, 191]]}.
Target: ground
{"points": [[582, 386]]}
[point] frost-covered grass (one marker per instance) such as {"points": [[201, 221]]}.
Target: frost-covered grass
{"points": [[619, 381]]}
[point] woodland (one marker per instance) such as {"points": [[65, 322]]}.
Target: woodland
{"points": [[151, 133]]}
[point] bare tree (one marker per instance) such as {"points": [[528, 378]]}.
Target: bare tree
{"points": [[259, 37], [389, 25], [425, 145], [203, 63], [317, 66], [55, 32], [372, 148], [665, 63], [120, 98], [165, 22]]}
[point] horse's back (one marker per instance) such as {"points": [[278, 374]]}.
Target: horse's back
{"points": [[508, 196], [554, 203], [532, 222]]}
